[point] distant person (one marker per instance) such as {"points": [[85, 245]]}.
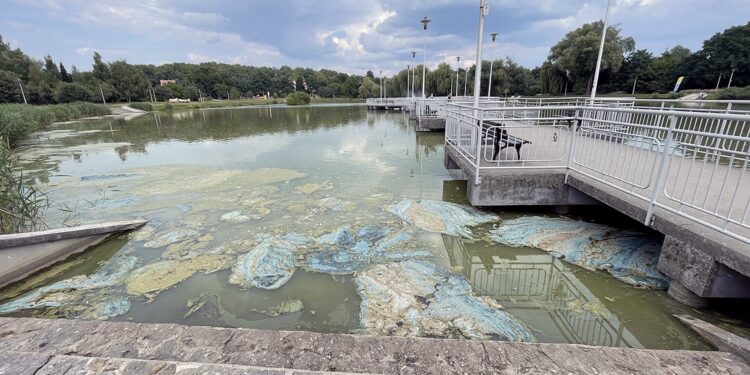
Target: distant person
{"points": [[450, 97], [432, 95]]}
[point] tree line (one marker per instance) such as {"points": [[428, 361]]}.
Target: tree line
{"points": [[570, 65], [568, 69]]}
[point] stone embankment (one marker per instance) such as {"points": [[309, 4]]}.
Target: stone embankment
{"points": [[38, 346]]}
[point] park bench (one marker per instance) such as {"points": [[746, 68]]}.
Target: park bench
{"points": [[429, 112], [496, 131]]}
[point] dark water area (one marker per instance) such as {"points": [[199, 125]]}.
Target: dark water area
{"points": [[218, 184]]}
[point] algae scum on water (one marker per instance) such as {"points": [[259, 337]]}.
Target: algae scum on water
{"points": [[244, 232]]}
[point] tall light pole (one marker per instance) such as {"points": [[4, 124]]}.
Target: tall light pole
{"points": [[413, 71], [380, 77], [729, 84], [408, 72], [458, 69], [466, 80], [425, 21], [601, 52], [484, 9], [489, 84]]}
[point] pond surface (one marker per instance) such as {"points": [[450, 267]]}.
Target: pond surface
{"points": [[283, 218]]}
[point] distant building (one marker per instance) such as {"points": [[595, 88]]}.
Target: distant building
{"points": [[163, 82]]}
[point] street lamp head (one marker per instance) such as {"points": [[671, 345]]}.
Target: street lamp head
{"points": [[494, 35], [425, 21], [458, 58], [413, 54]]}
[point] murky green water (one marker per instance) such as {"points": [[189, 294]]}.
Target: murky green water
{"points": [[210, 182]]}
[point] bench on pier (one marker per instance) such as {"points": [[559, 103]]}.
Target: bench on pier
{"points": [[496, 131]]}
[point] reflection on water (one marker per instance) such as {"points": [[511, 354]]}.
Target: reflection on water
{"points": [[213, 183], [556, 298]]}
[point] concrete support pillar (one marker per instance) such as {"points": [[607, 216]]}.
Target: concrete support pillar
{"points": [[683, 295]]}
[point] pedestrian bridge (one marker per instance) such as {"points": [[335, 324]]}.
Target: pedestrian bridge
{"points": [[683, 172]]}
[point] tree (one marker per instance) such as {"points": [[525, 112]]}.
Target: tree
{"points": [[100, 69], [64, 74], [163, 93], [326, 92], [129, 81], [71, 92], [720, 54], [368, 89], [575, 56], [9, 90], [50, 68]]}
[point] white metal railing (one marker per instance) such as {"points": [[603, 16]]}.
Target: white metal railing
{"points": [[387, 102], [690, 163]]}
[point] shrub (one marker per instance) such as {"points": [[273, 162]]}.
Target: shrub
{"points": [[142, 106], [298, 98], [71, 92], [734, 93]]}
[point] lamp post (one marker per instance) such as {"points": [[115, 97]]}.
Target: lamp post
{"points": [[489, 84], [425, 21], [466, 80], [484, 9], [729, 84], [458, 69], [601, 52], [380, 86], [408, 72], [413, 71]]}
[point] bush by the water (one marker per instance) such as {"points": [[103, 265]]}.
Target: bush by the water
{"points": [[142, 106], [18, 120], [734, 93], [298, 98]]}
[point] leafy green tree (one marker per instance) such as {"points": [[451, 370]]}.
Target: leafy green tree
{"points": [[575, 56], [64, 74], [129, 81], [163, 93], [368, 89], [50, 68], [9, 90], [100, 69], [71, 92], [234, 94], [720, 54]]}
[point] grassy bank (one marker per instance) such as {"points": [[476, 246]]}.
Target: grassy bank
{"points": [[162, 106], [18, 120]]}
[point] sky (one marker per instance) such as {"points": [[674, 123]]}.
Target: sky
{"points": [[352, 36]]}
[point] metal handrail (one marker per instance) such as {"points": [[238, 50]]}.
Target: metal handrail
{"points": [[692, 163]]}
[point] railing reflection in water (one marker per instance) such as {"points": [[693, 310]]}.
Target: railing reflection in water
{"points": [[535, 287]]}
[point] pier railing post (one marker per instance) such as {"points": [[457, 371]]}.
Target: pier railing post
{"points": [[478, 132], [660, 172], [572, 148]]}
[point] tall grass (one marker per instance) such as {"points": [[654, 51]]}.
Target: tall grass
{"points": [[18, 120], [22, 205]]}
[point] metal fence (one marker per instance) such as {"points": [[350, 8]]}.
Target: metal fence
{"points": [[690, 163]]}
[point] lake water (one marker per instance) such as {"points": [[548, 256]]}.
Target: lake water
{"points": [[218, 186]]}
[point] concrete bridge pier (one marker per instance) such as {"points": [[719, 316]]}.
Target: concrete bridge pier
{"points": [[428, 124]]}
